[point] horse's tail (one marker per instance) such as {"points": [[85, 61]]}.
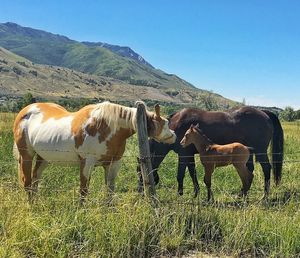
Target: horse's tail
{"points": [[251, 149], [16, 152], [277, 146]]}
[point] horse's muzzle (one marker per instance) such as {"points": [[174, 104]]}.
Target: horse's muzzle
{"points": [[170, 140]]}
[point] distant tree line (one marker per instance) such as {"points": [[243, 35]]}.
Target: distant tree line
{"points": [[289, 114], [205, 101]]}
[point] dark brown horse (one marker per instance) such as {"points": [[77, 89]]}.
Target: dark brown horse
{"points": [[214, 155], [247, 125]]}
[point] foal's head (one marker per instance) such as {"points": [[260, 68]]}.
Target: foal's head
{"points": [[193, 133]]}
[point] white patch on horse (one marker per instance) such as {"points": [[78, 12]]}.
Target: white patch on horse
{"points": [[53, 139]]}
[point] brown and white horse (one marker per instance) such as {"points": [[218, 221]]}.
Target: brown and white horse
{"points": [[94, 135]]}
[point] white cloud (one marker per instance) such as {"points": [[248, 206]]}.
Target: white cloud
{"points": [[261, 100]]}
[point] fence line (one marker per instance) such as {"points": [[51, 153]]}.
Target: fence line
{"points": [[186, 156], [69, 151], [98, 163]]}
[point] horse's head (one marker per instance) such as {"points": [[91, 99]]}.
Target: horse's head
{"points": [[188, 136], [158, 127], [191, 133]]}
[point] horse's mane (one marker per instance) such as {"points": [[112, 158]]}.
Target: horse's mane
{"points": [[115, 115], [170, 116], [210, 142]]}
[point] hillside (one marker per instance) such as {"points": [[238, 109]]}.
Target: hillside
{"points": [[122, 51], [94, 58], [19, 76]]}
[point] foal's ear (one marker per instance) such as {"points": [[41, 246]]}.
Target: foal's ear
{"points": [[197, 126], [157, 110]]}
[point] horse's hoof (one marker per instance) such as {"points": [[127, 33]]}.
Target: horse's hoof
{"points": [[140, 189], [242, 194], [264, 199], [180, 192], [196, 192]]}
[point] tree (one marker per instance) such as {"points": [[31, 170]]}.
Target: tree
{"points": [[208, 101], [288, 114], [26, 100]]}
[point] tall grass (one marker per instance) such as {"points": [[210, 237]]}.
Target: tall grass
{"points": [[128, 225]]}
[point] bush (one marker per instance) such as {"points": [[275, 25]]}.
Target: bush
{"points": [[288, 114]]}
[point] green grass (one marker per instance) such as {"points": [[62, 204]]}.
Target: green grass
{"points": [[56, 226]]}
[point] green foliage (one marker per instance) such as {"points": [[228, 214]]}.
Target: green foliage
{"points": [[127, 225], [288, 114], [75, 104], [26, 100], [208, 101]]}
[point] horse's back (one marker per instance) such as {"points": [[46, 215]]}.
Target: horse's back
{"points": [[45, 128], [254, 127]]}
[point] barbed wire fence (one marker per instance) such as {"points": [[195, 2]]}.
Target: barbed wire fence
{"points": [[128, 163], [129, 160]]}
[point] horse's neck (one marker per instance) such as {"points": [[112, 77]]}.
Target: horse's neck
{"points": [[128, 119], [200, 144], [117, 117]]}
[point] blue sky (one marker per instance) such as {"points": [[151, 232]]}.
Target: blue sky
{"points": [[239, 49]]}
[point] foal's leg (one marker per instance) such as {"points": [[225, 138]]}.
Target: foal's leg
{"points": [[193, 175], [111, 171], [245, 175], [209, 169], [40, 165], [86, 166]]}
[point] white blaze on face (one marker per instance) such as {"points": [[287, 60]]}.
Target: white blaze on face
{"points": [[167, 135]]}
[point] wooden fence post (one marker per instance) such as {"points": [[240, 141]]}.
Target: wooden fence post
{"points": [[145, 159]]}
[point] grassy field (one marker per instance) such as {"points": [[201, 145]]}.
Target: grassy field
{"points": [[56, 226]]}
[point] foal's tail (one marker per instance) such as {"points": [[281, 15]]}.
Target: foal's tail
{"points": [[277, 146]]}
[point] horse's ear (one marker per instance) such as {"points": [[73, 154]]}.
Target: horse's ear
{"points": [[191, 126], [197, 126], [157, 110]]}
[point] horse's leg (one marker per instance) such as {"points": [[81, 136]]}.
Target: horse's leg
{"points": [[245, 175], [263, 159], [25, 168], [40, 165], [250, 163], [158, 152], [209, 169], [111, 171], [193, 174], [182, 164], [86, 166]]}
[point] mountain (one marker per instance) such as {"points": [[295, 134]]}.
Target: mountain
{"points": [[122, 51], [93, 58], [18, 76]]}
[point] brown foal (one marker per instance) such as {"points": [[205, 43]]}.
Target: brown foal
{"points": [[214, 155]]}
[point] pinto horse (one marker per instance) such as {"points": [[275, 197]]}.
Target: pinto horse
{"points": [[247, 125], [94, 135], [214, 155]]}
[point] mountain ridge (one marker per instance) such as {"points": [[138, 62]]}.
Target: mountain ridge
{"points": [[19, 76], [53, 49]]}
